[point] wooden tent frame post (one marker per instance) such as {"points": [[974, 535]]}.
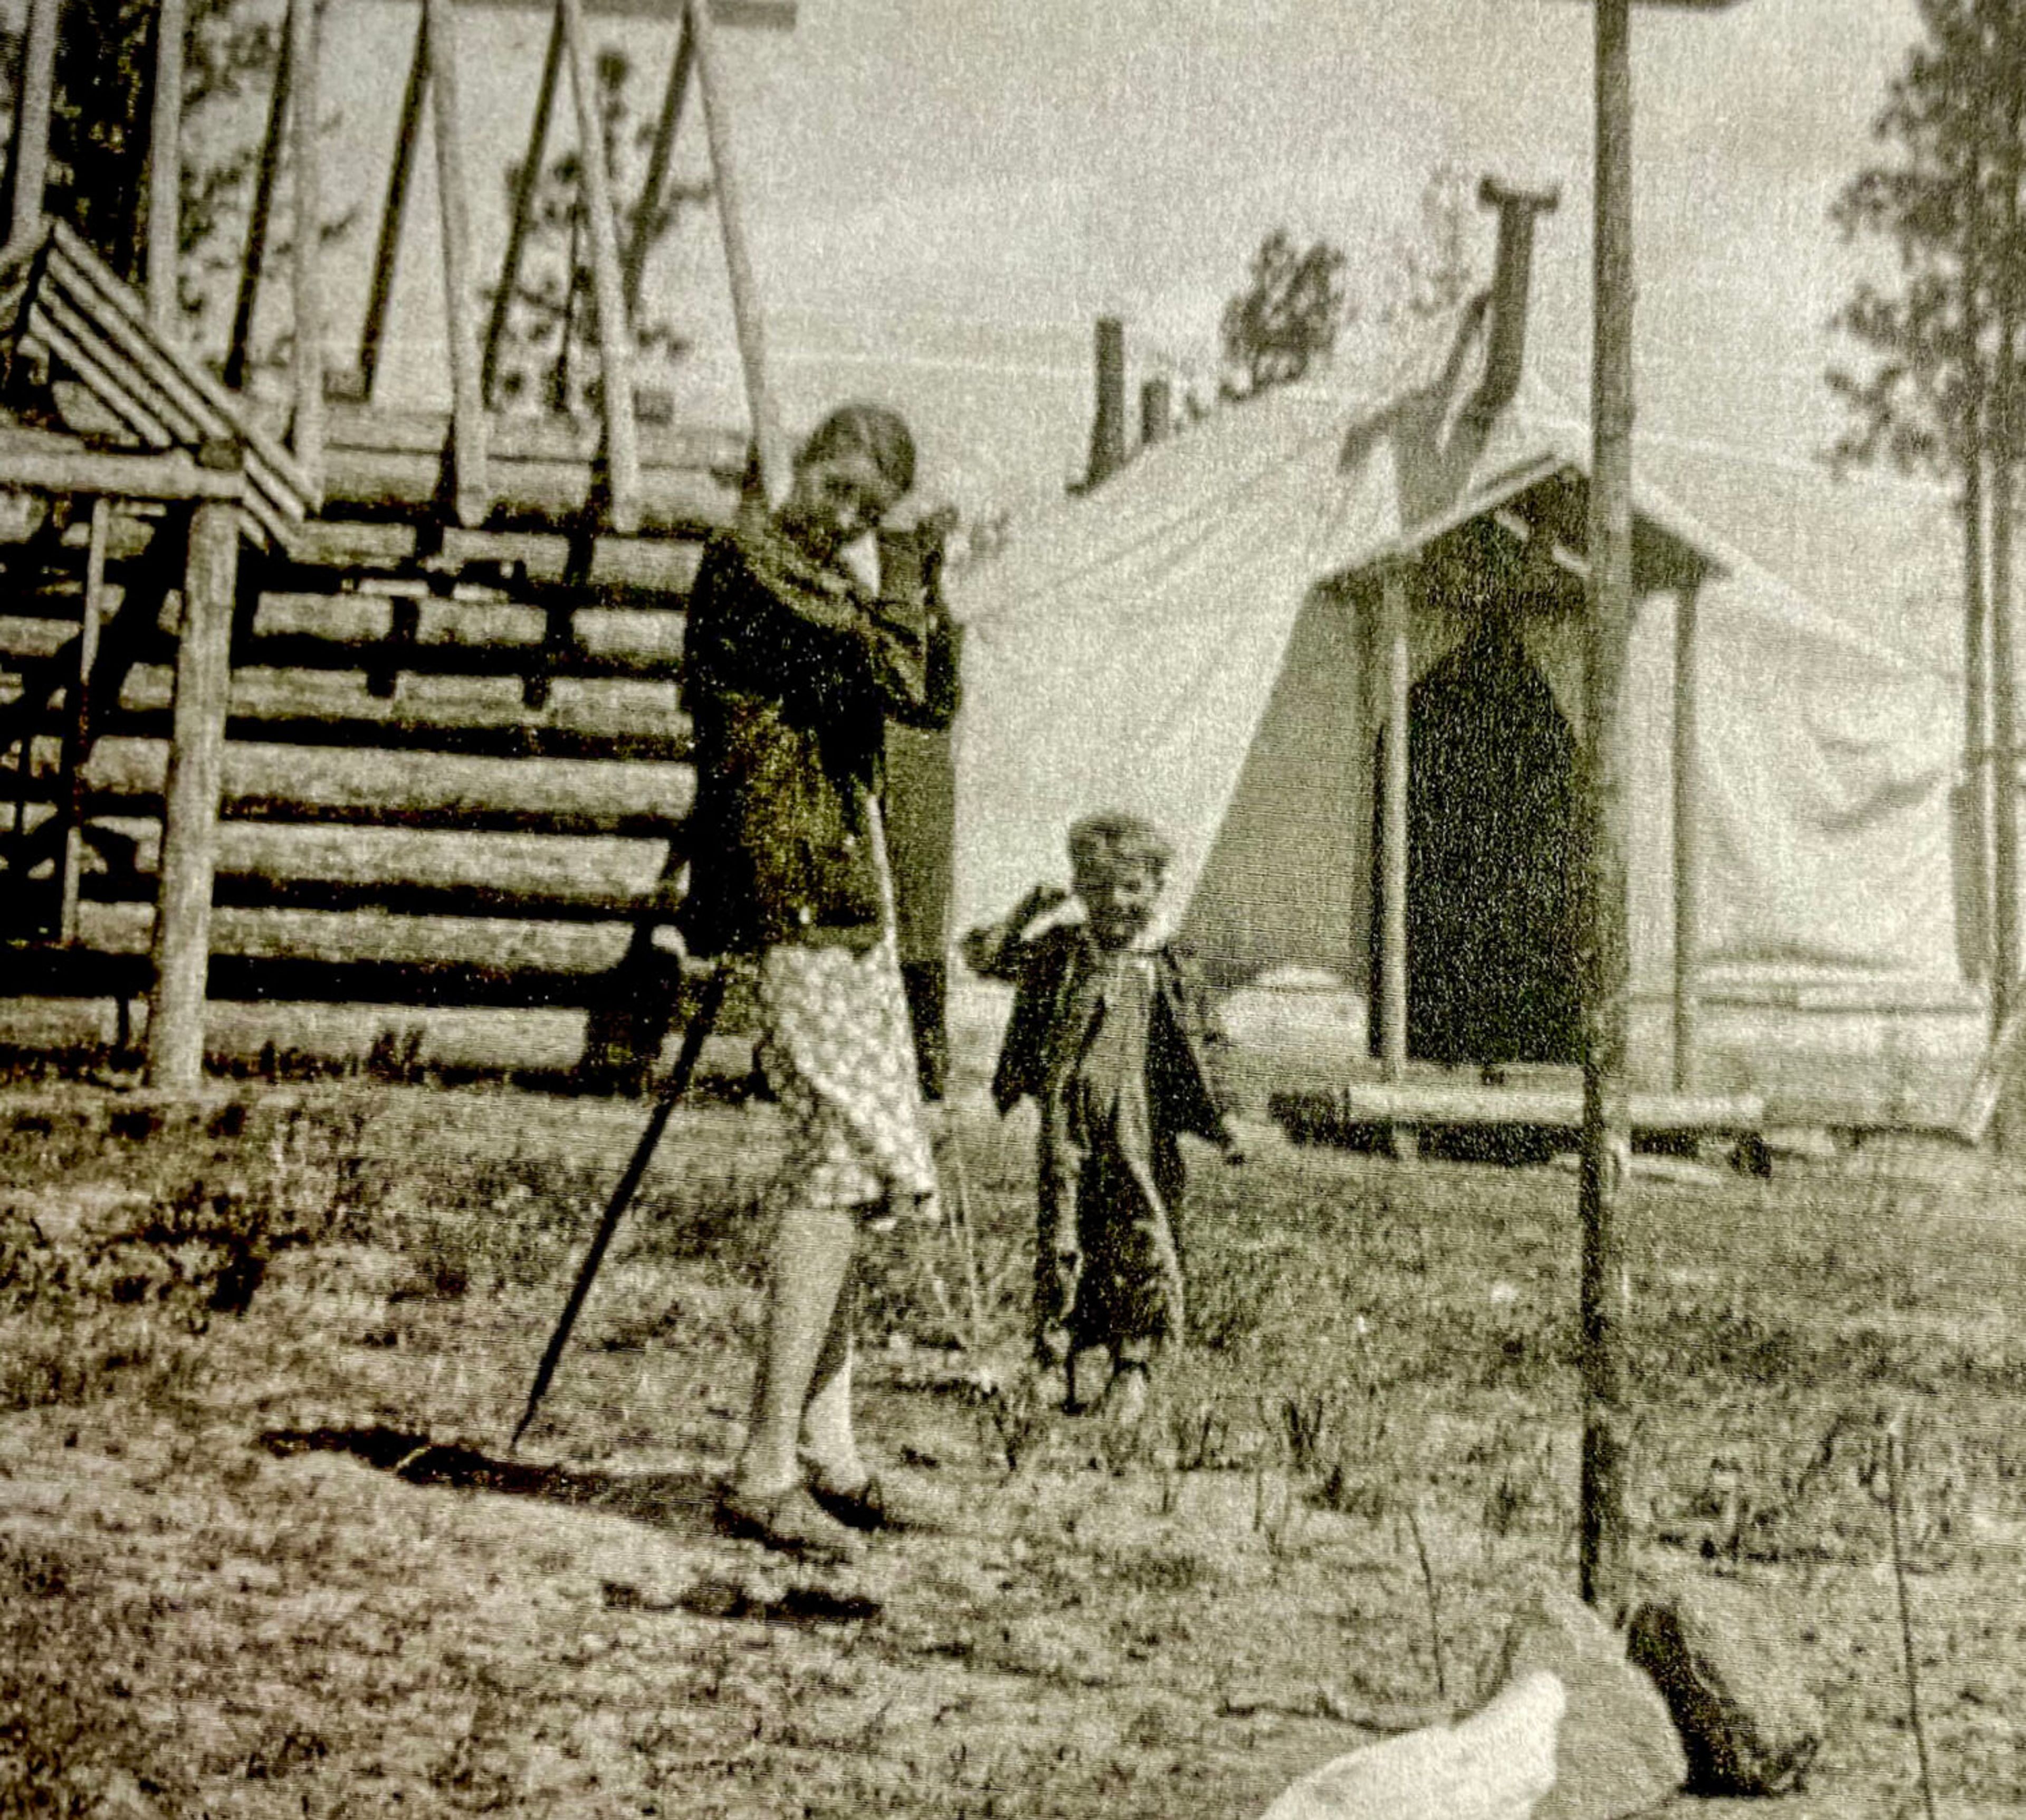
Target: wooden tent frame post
{"points": [[1396, 644], [1688, 840], [190, 799], [304, 48]]}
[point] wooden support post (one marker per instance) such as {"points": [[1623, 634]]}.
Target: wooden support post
{"points": [[658, 158], [1603, 1524], [77, 734], [165, 164], [471, 491], [240, 352], [1688, 838], [387, 255], [525, 186], [615, 327], [33, 99], [307, 435], [1394, 636], [738, 264], [189, 808]]}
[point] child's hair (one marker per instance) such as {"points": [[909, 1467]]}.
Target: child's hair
{"points": [[871, 429], [1114, 840]]}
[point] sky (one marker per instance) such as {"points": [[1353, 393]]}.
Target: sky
{"points": [[941, 195]]}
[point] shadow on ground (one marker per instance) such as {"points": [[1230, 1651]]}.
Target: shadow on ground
{"points": [[666, 1499]]}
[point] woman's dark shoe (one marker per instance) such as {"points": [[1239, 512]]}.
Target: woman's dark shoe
{"points": [[871, 1507]]}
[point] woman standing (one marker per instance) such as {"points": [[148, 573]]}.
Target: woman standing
{"points": [[792, 668]]}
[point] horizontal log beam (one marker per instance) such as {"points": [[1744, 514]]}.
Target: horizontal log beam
{"points": [[331, 785], [529, 495], [48, 463], [655, 565]]}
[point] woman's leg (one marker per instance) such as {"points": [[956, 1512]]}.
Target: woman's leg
{"points": [[812, 1252], [829, 1441]]}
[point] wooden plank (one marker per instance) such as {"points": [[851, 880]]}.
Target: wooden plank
{"points": [[659, 156], [339, 786], [1394, 636], [46, 971], [56, 464], [760, 15], [77, 267], [453, 873], [542, 496], [78, 733], [55, 326], [470, 487], [727, 178], [523, 436], [195, 776], [1385, 1103], [1688, 839], [387, 252], [239, 351], [615, 326], [33, 102], [652, 570], [165, 164], [527, 182], [307, 436]]}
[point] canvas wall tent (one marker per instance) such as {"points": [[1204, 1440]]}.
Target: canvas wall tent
{"points": [[1197, 640]]}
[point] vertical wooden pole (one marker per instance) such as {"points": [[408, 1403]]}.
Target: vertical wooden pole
{"points": [[1687, 836], [2004, 442], [1394, 634], [34, 97], [77, 735], [387, 255], [165, 165], [189, 808], [615, 328], [525, 187], [1603, 1523], [240, 352], [725, 175], [1976, 702], [308, 268], [471, 490], [658, 157]]}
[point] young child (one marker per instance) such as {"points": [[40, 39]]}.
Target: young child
{"points": [[1109, 1036]]}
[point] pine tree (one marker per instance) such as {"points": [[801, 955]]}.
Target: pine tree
{"points": [[1942, 394], [1289, 316], [553, 321]]}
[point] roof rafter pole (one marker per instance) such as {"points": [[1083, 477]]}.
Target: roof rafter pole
{"points": [[615, 330], [1688, 836], [165, 163], [240, 351], [737, 259], [307, 437], [34, 97], [525, 186], [1604, 1525], [470, 489], [659, 159], [190, 796], [387, 255]]}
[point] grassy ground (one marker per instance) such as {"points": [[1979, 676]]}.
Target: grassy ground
{"points": [[263, 1551]]}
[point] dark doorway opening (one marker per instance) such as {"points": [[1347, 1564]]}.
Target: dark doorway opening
{"points": [[1491, 840]]}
